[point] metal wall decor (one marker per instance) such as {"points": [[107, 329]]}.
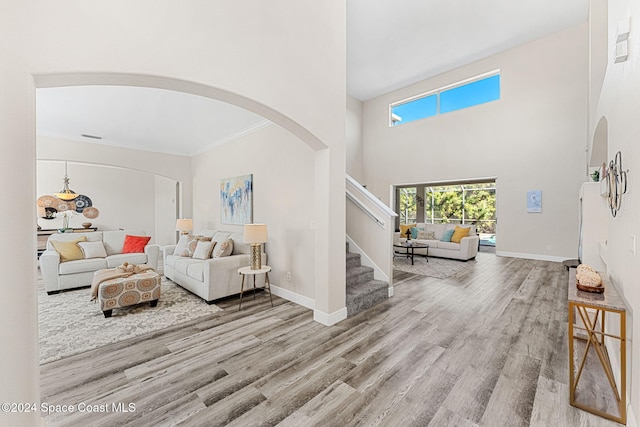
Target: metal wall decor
{"points": [[616, 183]]}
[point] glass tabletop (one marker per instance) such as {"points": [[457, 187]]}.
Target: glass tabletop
{"points": [[410, 245]]}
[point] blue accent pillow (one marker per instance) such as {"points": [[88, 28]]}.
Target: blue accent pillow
{"points": [[446, 236], [414, 232]]}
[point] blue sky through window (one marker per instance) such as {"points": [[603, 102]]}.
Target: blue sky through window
{"points": [[417, 109], [457, 98], [474, 93]]}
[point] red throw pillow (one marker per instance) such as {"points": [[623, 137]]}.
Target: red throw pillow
{"points": [[135, 244]]}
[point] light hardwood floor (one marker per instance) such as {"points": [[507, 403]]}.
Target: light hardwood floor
{"points": [[485, 347]]}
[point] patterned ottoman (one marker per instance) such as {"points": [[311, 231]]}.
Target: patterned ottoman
{"points": [[126, 291]]}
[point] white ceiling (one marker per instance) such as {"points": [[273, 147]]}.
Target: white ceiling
{"points": [[389, 45], [141, 118]]}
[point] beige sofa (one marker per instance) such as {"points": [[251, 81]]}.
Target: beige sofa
{"points": [[465, 250], [58, 276], [212, 278]]}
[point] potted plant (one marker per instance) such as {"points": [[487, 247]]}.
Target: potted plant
{"points": [[66, 216]]}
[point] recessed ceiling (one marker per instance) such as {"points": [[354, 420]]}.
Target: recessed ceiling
{"points": [[389, 45], [142, 118]]}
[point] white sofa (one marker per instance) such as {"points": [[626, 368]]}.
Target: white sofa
{"points": [[213, 278], [465, 250], [58, 276]]}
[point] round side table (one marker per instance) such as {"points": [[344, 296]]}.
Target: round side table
{"points": [[247, 271]]}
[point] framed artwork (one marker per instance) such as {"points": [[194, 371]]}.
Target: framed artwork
{"points": [[236, 200], [534, 201]]}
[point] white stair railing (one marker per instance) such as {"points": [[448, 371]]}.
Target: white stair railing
{"points": [[370, 228]]}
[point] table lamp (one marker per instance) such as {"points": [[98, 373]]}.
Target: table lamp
{"points": [[256, 234], [184, 225]]}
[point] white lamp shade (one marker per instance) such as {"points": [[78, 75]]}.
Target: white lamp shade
{"points": [[254, 233], [184, 224]]}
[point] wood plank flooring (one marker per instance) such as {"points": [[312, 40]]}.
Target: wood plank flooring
{"points": [[486, 347]]}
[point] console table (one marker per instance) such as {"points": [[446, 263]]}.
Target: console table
{"points": [[591, 309], [43, 236]]}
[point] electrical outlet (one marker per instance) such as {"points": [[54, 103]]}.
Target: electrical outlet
{"points": [[632, 244], [288, 276], [548, 247]]}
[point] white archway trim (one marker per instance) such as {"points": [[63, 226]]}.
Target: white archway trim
{"points": [[160, 82]]}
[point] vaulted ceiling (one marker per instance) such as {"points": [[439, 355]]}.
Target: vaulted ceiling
{"points": [[389, 45]]}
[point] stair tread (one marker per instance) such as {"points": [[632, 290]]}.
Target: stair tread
{"points": [[366, 287], [363, 291], [356, 271]]}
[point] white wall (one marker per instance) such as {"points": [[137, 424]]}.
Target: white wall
{"points": [[283, 179], [620, 103], [132, 189], [177, 168], [257, 54], [165, 211], [19, 371], [354, 140], [533, 138], [124, 198], [598, 52]]}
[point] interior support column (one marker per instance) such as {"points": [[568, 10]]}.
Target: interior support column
{"points": [[19, 366], [330, 232]]}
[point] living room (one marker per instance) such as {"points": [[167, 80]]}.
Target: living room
{"points": [[524, 154]]}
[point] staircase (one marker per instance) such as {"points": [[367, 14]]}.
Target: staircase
{"points": [[363, 291]]}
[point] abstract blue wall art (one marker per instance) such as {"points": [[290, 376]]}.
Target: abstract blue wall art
{"points": [[236, 200], [534, 201]]}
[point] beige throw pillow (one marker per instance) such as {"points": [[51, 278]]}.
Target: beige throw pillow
{"points": [[426, 235], [223, 249], [187, 247], [204, 249], [69, 251]]}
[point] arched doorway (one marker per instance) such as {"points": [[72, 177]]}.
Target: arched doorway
{"points": [[600, 143]]}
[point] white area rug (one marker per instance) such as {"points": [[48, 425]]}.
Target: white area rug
{"points": [[69, 323], [440, 268]]}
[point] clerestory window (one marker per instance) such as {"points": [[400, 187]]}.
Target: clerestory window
{"points": [[477, 90]]}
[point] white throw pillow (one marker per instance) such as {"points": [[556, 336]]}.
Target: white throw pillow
{"points": [[93, 249], [203, 249], [223, 249], [182, 247]]}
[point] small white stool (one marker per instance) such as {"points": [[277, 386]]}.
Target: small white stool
{"points": [[245, 271]]}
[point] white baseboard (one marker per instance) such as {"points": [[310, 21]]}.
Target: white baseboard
{"points": [[294, 297], [310, 303], [532, 256], [330, 319], [390, 291]]}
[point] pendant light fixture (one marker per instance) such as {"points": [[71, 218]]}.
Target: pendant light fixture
{"points": [[66, 193]]}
